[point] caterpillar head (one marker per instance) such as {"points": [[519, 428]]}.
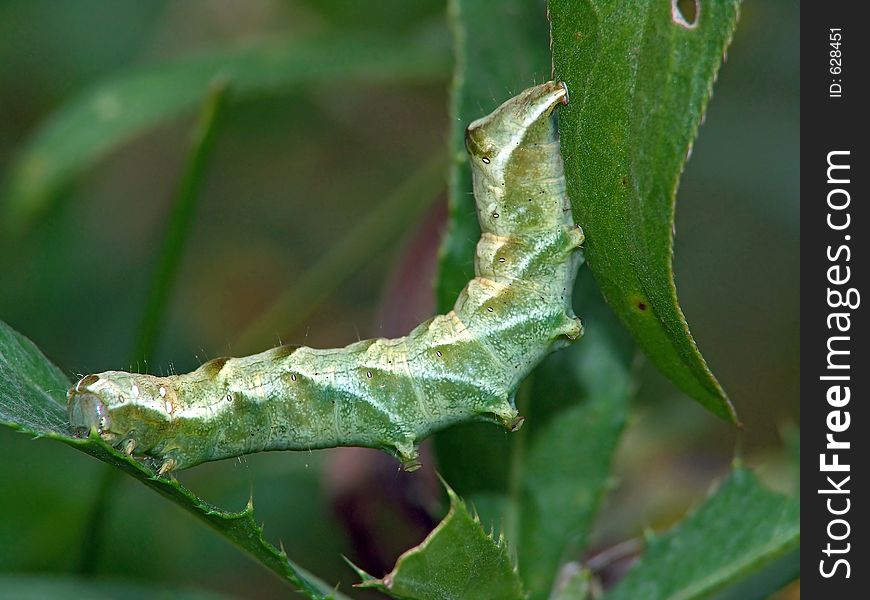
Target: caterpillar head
{"points": [[522, 120], [127, 410]]}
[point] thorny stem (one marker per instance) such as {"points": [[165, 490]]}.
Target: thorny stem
{"points": [[518, 453]]}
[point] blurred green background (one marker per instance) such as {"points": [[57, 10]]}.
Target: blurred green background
{"points": [[292, 174]]}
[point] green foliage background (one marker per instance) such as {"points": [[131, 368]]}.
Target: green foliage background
{"points": [[298, 168]]}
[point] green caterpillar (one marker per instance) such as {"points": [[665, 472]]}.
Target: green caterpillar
{"points": [[386, 393]]}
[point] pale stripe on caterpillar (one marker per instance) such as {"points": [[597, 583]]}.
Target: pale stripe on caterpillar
{"points": [[386, 393]]}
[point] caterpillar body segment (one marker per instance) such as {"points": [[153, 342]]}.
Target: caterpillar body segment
{"points": [[386, 393]]}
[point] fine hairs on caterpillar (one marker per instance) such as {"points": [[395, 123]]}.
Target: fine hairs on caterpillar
{"points": [[386, 393]]}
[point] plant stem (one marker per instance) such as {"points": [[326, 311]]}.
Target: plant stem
{"points": [[162, 280], [517, 464], [178, 228], [382, 225]]}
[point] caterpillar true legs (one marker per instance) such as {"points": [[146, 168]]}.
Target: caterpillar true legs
{"points": [[386, 393]]}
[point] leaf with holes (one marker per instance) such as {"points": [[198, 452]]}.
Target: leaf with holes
{"points": [[640, 75]]}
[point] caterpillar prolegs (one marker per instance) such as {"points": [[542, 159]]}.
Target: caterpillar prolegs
{"points": [[386, 393]]}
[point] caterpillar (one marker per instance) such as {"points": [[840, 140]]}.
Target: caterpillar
{"points": [[385, 393]]}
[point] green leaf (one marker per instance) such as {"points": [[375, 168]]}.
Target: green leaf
{"points": [[105, 116], [639, 82], [40, 587], [740, 530], [32, 400], [458, 560], [543, 483], [32, 389], [578, 408], [766, 581]]}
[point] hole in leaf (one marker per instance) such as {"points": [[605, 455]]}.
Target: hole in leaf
{"points": [[685, 12]]}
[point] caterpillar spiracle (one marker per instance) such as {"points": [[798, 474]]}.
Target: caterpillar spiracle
{"points": [[386, 393]]}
